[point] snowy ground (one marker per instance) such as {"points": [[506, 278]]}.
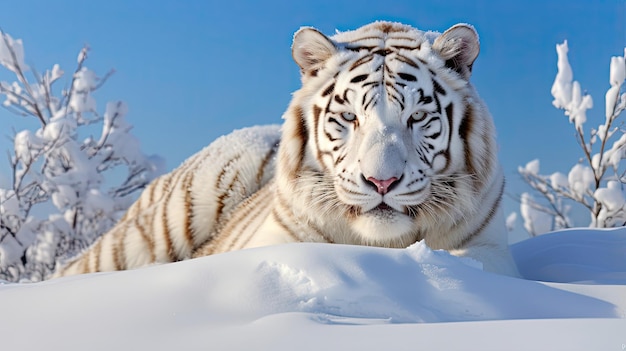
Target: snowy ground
{"points": [[323, 296]]}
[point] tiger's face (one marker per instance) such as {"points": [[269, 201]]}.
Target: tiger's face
{"points": [[383, 131], [383, 111]]}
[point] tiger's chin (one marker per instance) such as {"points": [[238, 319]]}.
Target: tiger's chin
{"points": [[383, 226]]}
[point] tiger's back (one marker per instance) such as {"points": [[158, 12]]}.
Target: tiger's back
{"points": [[386, 143], [186, 208]]}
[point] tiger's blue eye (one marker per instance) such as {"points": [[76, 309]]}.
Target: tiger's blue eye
{"points": [[348, 116], [418, 116]]}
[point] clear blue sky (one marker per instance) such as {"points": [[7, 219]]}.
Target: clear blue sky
{"points": [[191, 71]]}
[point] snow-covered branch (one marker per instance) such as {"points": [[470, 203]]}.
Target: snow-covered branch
{"points": [[597, 183], [61, 171]]}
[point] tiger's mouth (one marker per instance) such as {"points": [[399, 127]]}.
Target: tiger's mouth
{"points": [[383, 215], [383, 211], [382, 224], [383, 207]]}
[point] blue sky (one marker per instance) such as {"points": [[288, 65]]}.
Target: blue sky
{"points": [[191, 71]]}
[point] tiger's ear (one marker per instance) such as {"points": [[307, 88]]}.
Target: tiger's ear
{"points": [[311, 48], [459, 47]]}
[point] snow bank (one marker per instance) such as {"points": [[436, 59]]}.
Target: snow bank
{"points": [[315, 296], [581, 256]]}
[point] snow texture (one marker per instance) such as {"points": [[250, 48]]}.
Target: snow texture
{"points": [[566, 91], [327, 296], [536, 221], [14, 61], [580, 179], [511, 219]]}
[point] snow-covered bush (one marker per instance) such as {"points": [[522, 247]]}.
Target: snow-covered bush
{"points": [[67, 187], [596, 182]]}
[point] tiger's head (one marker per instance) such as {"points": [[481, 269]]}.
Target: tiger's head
{"points": [[387, 140]]}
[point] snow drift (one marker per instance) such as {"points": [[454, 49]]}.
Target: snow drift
{"points": [[314, 296]]}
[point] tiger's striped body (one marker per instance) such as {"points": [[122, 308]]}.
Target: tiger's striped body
{"points": [[386, 143]]}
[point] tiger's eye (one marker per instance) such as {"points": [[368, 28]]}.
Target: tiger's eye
{"points": [[418, 116], [348, 116]]}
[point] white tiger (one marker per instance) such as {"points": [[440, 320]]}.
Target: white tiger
{"points": [[386, 143]]}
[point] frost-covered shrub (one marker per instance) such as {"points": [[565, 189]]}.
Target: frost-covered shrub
{"points": [[597, 182], [61, 197]]}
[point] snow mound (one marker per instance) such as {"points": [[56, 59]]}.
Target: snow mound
{"points": [[275, 297], [574, 256]]}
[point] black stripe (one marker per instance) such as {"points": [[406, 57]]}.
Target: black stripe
{"points": [[152, 188], [399, 97], [329, 90], [340, 159], [286, 209], [359, 78], [363, 60], [486, 220], [383, 52], [219, 184], [242, 224], [450, 114], [465, 128], [330, 137], [408, 61], [345, 95], [166, 229], [85, 262], [144, 235], [121, 254], [268, 156], [302, 132], [423, 98], [405, 47], [239, 218], [97, 249], [438, 88], [320, 233], [408, 77], [284, 225], [189, 208]]}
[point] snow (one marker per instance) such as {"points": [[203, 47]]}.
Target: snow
{"points": [[558, 180], [536, 221], [27, 145], [611, 197], [12, 53], [8, 202], [615, 154], [531, 167], [9, 251], [562, 86], [567, 92], [580, 180], [617, 75], [82, 102], [511, 219], [327, 296]]}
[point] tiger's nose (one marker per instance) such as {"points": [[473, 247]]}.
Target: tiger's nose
{"points": [[382, 186]]}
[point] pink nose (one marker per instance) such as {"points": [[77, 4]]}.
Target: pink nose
{"points": [[382, 185]]}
